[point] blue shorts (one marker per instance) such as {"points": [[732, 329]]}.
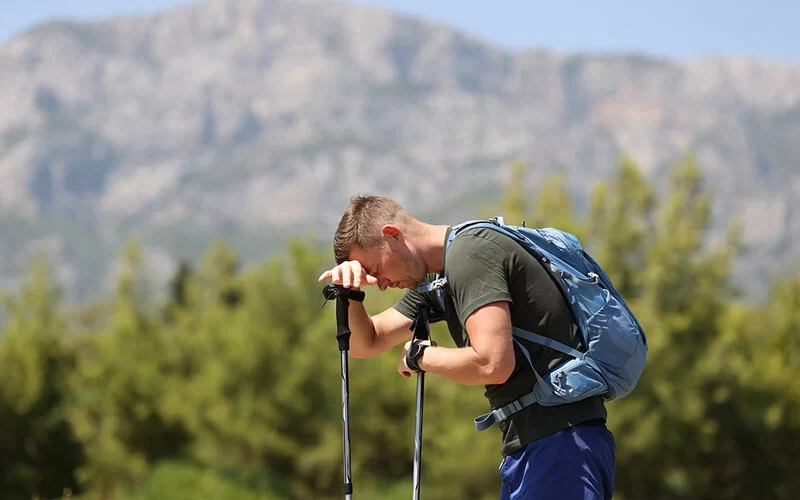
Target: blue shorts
{"points": [[574, 464]]}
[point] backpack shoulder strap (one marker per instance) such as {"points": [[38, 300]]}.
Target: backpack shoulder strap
{"points": [[440, 280]]}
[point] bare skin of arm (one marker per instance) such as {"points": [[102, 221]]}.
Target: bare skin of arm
{"points": [[488, 360]]}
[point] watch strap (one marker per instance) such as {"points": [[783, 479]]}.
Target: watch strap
{"points": [[411, 361]]}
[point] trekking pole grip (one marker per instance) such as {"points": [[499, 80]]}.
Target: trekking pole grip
{"points": [[343, 296]]}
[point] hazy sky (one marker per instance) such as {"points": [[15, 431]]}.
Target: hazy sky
{"points": [[679, 28]]}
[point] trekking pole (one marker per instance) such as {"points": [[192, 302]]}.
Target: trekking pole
{"points": [[343, 296], [421, 332]]}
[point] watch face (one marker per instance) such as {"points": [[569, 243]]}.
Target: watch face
{"points": [[414, 351]]}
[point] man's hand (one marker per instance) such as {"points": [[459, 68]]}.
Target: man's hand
{"points": [[349, 274], [402, 367]]}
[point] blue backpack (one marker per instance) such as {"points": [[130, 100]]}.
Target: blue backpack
{"points": [[616, 343]]}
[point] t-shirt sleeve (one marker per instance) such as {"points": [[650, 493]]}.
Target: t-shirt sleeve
{"points": [[477, 270], [409, 303]]}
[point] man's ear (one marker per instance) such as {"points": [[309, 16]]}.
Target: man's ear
{"points": [[393, 232]]}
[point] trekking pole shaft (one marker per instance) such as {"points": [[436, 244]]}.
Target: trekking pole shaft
{"points": [[348, 478], [418, 436], [421, 332]]}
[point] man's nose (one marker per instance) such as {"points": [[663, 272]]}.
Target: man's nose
{"points": [[383, 283]]}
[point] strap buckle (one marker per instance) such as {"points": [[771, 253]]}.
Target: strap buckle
{"points": [[434, 285]]}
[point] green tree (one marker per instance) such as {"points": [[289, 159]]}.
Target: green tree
{"points": [[515, 203], [622, 226], [554, 207], [179, 285], [668, 427], [756, 399], [116, 389], [38, 451], [218, 274]]}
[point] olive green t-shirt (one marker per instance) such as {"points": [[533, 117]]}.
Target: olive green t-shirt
{"points": [[484, 266]]}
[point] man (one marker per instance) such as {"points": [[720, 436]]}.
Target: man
{"points": [[560, 452]]}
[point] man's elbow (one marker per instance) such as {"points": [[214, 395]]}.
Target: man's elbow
{"points": [[363, 353], [498, 373], [362, 350]]}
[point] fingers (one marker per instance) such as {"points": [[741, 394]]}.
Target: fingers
{"points": [[347, 274], [403, 369], [337, 275]]}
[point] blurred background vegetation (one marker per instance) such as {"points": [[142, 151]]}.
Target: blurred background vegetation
{"points": [[230, 387]]}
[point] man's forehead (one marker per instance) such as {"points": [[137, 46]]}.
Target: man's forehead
{"points": [[367, 258]]}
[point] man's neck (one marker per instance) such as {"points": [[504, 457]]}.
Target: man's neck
{"points": [[433, 250]]}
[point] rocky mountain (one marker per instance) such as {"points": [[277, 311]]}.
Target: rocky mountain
{"points": [[257, 119]]}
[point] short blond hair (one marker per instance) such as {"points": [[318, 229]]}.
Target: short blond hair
{"points": [[360, 226]]}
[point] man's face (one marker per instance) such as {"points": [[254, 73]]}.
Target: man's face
{"points": [[392, 264]]}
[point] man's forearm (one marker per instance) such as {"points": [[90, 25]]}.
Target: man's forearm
{"points": [[463, 365], [362, 339]]}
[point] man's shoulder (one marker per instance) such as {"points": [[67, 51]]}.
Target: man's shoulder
{"points": [[475, 251], [472, 237]]}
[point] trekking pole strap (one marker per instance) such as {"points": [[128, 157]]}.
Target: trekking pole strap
{"points": [[420, 326], [338, 291]]}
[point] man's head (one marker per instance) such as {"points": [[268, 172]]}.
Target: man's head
{"points": [[379, 233]]}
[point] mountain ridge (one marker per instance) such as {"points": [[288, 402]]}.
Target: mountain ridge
{"points": [[257, 119]]}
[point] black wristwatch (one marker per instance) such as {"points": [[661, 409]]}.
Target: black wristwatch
{"points": [[413, 354]]}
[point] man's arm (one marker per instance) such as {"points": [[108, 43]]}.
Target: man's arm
{"points": [[488, 360], [373, 335], [370, 335]]}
